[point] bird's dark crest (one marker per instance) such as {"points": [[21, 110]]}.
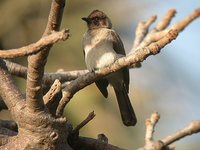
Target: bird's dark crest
{"points": [[97, 13], [98, 19]]}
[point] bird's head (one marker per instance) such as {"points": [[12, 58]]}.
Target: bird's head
{"points": [[97, 19]]}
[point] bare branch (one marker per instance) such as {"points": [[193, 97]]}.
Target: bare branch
{"points": [[9, 92], [150, 126], [53, 96], [158, 33], [55, 16], [37, 62], [91, 144], [48, 78], [193, 127], [84, 122], [141, 31], [35, 47], [180, 26], [55, 88], [138, 56], [150, 144], [63, 76], [16, 69], [165, 21]]}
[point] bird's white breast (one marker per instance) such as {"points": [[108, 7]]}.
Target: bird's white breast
{"points": [[98, 49]]}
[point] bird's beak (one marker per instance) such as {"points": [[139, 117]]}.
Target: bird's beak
{"points": [[86, 19]]}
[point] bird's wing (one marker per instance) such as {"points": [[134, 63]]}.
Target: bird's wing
{"points": [[119, 49], [117, 43]]}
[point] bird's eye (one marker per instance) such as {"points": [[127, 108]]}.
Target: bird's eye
{"points": [[96, 18]]}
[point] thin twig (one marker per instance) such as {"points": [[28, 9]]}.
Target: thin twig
{"points": [[192, 128], [157, 33], [142, 30], [84, 122], [180, 26], [165, 21], [150, 126]]}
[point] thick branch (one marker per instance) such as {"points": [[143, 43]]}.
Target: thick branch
{"points": [[55, 16], [37, 62], [138, 56], [9, 92], [35, 47]]}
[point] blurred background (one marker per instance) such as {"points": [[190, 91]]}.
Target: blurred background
{"points": [[167, 83]]}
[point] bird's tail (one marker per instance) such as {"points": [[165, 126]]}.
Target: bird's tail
{"points": [[127, 113]]}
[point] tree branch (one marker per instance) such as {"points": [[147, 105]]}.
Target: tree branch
{"points": [[84, 122], [158, 32], [85, 143], [37, 62], [9, 92], [165, 21], [55, 89], [164, 144], [35, 47], [48, 78], [150, 126], [141, 31], [180, 26], [53, 96], [150, 144], [193, 127]]}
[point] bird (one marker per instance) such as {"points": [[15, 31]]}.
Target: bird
{"points": [[102, 47]]}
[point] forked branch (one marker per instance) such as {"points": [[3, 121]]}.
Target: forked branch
{"points": [[164, 144]]}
